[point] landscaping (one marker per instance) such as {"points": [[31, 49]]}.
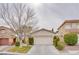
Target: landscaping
{"points": [[23, 49], [71, 39], [55, 40], [31, 41], [60, 45], [57, 43]]}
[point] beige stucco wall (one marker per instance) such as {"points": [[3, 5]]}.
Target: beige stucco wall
{"points": [[62, 31], [6, 34], [10, 41]]}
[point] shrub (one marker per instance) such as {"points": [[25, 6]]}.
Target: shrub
{"points": [[71, 38], [55, 40], [60, 45], [17, 43], [31, 41], [57, 43], [24, 41]]}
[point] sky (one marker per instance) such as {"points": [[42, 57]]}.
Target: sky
{"points": [[52, 15]]}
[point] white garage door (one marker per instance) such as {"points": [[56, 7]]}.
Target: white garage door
{"points": [[43, 40]]}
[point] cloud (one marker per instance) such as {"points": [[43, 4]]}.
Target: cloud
{"points": [[52, 15]]}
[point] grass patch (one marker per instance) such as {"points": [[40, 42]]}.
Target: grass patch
{"points": [[23, 49]]}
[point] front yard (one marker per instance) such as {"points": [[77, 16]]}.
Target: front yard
{"points": [[23, 49], [69, 45]]}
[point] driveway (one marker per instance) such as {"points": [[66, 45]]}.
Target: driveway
{"points": [[43, 50]]}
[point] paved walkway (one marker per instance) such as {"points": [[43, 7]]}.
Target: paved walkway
{"points": [[43, 50]]}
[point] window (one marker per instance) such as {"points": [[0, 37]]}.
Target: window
{"points": [[68, 26], [74, 25]]}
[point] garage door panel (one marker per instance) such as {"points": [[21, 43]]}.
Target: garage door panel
{"points": [[43, 40], [4, 41]]}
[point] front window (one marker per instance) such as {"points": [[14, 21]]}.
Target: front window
{"points": [[74, 25], [68, 26]]}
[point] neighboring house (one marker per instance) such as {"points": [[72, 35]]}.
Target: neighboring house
{"points": [[6, 36], [69, 26], [43, 36]]}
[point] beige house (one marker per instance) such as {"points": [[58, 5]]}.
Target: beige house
{"points": [[69, 26], [43, 37], [6, 36]]}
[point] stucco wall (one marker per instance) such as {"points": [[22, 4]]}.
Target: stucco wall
{"points": [[10, 41], [62, 31]]}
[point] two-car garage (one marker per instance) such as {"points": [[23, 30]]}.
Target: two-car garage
{"points": [[7, 41], [43, 37], [6, 36], [43, 40]]}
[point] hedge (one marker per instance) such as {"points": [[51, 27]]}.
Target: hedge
{"points": [[71, 39]]}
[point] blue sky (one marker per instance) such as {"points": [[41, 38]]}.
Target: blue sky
{"points": [[51, 15]]}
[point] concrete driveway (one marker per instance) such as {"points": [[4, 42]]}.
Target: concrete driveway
{"points": [[43, 50]]}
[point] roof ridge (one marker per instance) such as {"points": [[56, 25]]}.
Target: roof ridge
{"points": [[42, 29]]}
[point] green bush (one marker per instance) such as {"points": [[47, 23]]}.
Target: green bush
{"points": [[31, 41], [60, 45], [55, 40], [17, 43], [71, 39]]}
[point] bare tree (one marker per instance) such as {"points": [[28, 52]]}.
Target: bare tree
{"points": [[19, 17]]}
